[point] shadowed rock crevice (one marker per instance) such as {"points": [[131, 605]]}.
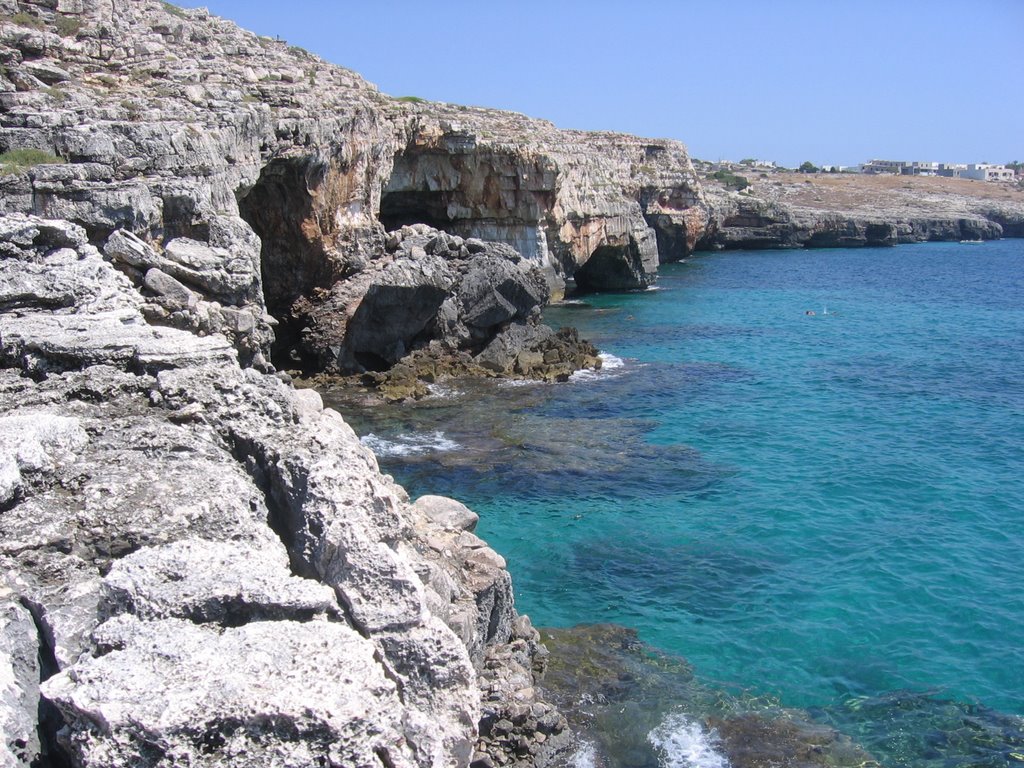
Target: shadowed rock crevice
{"points": [[612, 267], [280, 209], [50, 721]]}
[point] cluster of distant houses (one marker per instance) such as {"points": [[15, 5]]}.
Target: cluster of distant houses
{"points": [[980, 171]]}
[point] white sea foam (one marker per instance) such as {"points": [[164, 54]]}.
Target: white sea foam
{"points": [[521, 383], [609, 363], [585, 756], [684, 743], [443, 391], [410, 445]]}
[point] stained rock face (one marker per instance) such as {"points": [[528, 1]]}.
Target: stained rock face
{"points": [[205, 566], [787, 210], [229, 175]]}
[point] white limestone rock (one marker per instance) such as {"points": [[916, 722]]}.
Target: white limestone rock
{"points": [[32, 444], [448, 513], [267, 693], [213, 582], [19, 684]]}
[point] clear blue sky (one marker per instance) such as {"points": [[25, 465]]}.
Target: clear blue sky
{"points": [[831, 81]]}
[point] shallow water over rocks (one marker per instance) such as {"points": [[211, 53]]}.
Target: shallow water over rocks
{"points": [[821, 511]]}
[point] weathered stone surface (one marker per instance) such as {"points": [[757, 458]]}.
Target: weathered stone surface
{"points": [[19, 683], [213, 582], [179, 296], [217, 569], [274, 692], [33, 445], [194, 136], [448, 513]]}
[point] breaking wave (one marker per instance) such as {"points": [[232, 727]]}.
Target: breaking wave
{"points": [[410, 445], [609, 363], [683, 743]]}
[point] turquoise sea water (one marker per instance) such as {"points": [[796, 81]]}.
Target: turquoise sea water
{"points": [[826, 509]]}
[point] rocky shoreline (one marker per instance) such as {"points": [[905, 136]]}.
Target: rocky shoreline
{"points": [[795, 210], [201, 564]]}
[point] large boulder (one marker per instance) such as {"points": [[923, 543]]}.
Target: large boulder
{"points": [[270, 692], [438, 305]]}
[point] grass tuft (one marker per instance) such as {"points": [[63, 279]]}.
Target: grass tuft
{"points": [[18, 160]]}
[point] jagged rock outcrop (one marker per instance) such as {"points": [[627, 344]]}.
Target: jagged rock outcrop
{"points": [[208, 565], [190, 134], [438, 305], [782, 210]]}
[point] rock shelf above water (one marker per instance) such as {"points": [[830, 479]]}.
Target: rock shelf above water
{"points": [[204, 565]]}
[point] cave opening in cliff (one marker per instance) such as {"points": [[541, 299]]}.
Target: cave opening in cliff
{"points": [[399, 208], [420, 190], [609, 268], [282, 211]]}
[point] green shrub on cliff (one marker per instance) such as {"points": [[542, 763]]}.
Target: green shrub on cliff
{"points": [[67, 26], [25, 20], [17, 160], [731, 180], [174, 10]]}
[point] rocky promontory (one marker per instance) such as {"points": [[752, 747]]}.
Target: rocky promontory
{"points": [[825, 210], [203, 566], [239, 182]]}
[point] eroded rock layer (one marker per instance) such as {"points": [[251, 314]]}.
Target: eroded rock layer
{"points": [[788, 210], [204, 566], [184, 135]]}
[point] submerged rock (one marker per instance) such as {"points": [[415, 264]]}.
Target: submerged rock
{"points": [[632, 705]]}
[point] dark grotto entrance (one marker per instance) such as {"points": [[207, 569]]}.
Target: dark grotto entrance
{"points": [[611, 268], [399, 208], [281, 210]]}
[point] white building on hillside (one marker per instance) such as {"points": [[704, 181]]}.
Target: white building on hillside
{"points": [[918, 168], [883, 166], [987, 172], [954, 170]]}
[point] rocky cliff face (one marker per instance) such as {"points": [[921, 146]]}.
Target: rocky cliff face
{"points": [[785, 210], [190, 135], [203, 566]]}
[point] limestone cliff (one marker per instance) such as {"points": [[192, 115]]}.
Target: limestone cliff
{"points": [[785, 210], [203, 566], [189, 134]]}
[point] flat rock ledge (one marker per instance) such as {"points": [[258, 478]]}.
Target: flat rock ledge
{"points": [[203, 566]]}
